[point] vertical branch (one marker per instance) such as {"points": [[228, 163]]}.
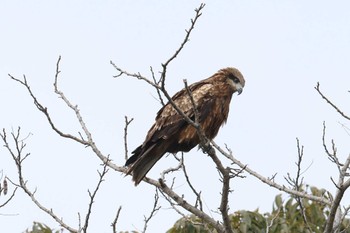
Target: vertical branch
{"points": [[127, 123], [157, 89], [224, 200], [224, 172], [114, 223], [186, 39], [184, 204], [153, 212], [93, 195], [198, 194], [18, 158], [342, 185], [297, 183]]}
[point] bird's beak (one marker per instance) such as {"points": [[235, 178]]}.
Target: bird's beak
{"points": [[239, 88]]}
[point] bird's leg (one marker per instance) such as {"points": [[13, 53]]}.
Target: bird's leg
{"points": [[206, 147]]}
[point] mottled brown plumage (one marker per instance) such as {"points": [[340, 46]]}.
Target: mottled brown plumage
{"points": [[172, 133]]}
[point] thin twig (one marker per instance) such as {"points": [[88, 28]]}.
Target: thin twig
{"points": [[9, 199], [186, 39], [297, 183], [127, 123], [44, 110], [114, 223], [196, 193], [19, 159], [89, 142], [157, 90], [93, 195], [267, 180], [184, 204], [330, 102], [153, 212], [172, 169]]}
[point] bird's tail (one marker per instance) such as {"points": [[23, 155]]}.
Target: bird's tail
{"points": [[142, 161]]}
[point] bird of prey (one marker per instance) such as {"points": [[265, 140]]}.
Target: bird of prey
{"points": [[172, 133]]}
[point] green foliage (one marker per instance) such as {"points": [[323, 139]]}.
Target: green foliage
{"points": [[286, 217], [41, 228], [192, 224]]}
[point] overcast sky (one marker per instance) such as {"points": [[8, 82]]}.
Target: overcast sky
{"points": [[283, 48]]}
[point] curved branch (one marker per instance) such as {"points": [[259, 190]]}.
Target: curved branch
{"points": [[43, 109], [186, 39], [89, 142], [184, 204], [18, 159], [330, 102], [269, 181], [93, 195]]}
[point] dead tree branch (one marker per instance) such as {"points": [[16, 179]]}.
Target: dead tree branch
{"points": [[268, 181], [317, 88], [297, 183], [114, 223], [18, 157], [154, 211], [4, 190], [127, 123], [184, 204], [93, 195], [10, 198], [186, 39], [89, 142], [198, 203], [342, 185]]}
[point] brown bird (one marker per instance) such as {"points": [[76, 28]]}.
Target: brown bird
{"points": [[172, 133]]}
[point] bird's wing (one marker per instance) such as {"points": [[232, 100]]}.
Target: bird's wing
{"points": [[169, 121]]}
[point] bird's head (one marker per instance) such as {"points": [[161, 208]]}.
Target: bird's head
{"points": [[234, 78]]}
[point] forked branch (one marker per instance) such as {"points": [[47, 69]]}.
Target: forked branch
{"points": [[19, 157]]}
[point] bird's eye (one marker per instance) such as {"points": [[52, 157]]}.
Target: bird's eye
{"points": [[234, 78]]}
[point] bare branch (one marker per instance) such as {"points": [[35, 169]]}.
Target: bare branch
{"points": [[342, 185], [127, 123], [9, 199], [184, 204], [267, 180], [164, 65], [224, 200], [134, 75], [18, 159], [330, 102], [186, 39], [43, 109], [172, 169], [269, 225], [153, 212], [158, 90], [93, 195], [195, 109], [89, 142], [114, 223], [198, 194], [297, 183]]}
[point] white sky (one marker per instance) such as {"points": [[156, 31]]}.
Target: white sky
{"points": [[283, 48]]}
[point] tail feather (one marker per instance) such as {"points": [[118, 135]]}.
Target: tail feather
{"points": [[145, 161], [136, 154]]}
